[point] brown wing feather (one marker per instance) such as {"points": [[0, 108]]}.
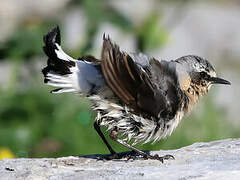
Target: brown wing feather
{"points": [[152, 91], [111, 65], [122, 74]]}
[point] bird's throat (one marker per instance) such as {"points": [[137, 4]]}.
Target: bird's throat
{"points": [[194, 92]]}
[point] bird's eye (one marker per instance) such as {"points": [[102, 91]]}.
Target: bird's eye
{"points": [[203, 74]]}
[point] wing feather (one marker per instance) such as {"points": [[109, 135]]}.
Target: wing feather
{"points": [[111, 67], [150, 89], [125, 77]]}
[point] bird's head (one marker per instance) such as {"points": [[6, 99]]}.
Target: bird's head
{"points": [[197, 74]]}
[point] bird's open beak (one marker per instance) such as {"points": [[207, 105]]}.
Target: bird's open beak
{"points": [[216, 80]]}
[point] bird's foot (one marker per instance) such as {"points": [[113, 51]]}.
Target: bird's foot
{"points": [[132, 155], [123, 155], [160, 158]]}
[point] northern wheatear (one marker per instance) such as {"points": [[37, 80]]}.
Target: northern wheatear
{"points": [[138, 98]]}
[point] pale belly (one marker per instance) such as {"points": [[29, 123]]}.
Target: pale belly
{"points": [[131, 126]]}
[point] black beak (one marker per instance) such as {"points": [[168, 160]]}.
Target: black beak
{"points": [[216, 80]]}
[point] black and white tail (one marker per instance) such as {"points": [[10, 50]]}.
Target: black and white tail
{"points": [[67, 74]]}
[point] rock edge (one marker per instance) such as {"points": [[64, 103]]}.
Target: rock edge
{"points": [[212, 160]]}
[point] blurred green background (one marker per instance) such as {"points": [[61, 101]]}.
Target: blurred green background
{"points": [[35, 123]]}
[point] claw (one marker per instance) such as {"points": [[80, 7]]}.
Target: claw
{"points": [[168, 156], [161, 158]]}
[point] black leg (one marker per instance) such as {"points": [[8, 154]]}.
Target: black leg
{"points": [[113, 136], [97, 128]]}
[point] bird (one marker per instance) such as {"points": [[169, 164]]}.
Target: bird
{"points": [[138, 98]]}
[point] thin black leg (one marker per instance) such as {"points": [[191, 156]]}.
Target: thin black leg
{"points": [[97, 128], [113, 136]]}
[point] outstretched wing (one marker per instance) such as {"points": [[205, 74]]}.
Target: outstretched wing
{"points": [[135, 86]]}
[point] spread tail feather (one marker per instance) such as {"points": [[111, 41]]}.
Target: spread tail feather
{"points": [[67, 73]]}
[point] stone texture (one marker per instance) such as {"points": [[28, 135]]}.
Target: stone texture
{"points": [[213, 160]]}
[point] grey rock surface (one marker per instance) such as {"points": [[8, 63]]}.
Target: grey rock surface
{"points": [[213, 160]]}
